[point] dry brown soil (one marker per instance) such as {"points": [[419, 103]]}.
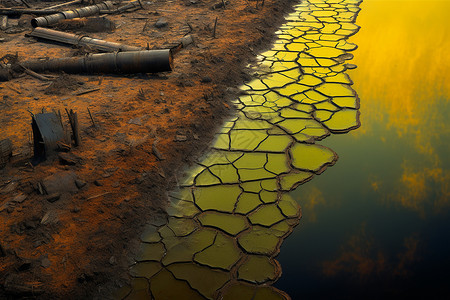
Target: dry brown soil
{"points": [[79, 246]]}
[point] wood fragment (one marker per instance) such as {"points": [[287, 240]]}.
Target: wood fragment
{"points": [[13, 89], [92, 119], [35, 75], [215, 26], [64, 4], [99, 195], [25, 3], [87, 91], [73, 120], [156, 152]]}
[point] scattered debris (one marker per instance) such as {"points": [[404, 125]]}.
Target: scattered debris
{"points": [[156, 152], [162, 22], [5, 152], [68, 159], [47, 132], [53, 197], [79, 40], [61, 182], [73, 120]]}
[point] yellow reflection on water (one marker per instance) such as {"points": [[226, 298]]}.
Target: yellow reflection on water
{"points": [[404, 80], [403, 49]]}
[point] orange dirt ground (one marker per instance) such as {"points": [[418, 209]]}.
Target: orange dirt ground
{"points": [[83, 249]]}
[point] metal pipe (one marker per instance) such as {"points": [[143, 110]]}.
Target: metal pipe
{"points": [[70, 14], [131, 62], [80, 40]]}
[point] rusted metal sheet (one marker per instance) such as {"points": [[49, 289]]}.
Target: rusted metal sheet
{"points": [[70, 14], [148, 61], [47, 132], [80, 40]]}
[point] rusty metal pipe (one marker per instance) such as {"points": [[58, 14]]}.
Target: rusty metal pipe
{"points": [[131, 62], [70, 14], [74, 39]]}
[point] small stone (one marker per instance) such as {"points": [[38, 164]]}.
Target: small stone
{"points": [[162, 22], [135, 121], [75, 209], [45, 262], [98, 183], [29, 224], [53, 197], [68, 159], [80, 183], [115, 184], [112, 260], [61, 182], [36, 98], [206, 79], [180, 138], [26, 265]]}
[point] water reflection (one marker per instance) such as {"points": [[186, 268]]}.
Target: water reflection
{"points": [[227, 221], [390, 196]]}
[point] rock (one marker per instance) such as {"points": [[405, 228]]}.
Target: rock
{"points": [[112, 260], [53, 197], [98, 183], [45, 262], [180, 138], [206, 79], [80, 183], [68, 159], [30, 224], [162, 22], [187, 40], [135, 121], [75, 209], [61, 182], [25, 265]]}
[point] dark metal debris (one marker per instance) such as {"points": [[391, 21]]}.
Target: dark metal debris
{"points": [[47, 132], [149, 61]]}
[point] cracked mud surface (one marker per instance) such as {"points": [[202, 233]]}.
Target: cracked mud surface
{"points": [[228, 219]]}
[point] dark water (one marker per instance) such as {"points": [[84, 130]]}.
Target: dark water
{"points": [[377, 224]]}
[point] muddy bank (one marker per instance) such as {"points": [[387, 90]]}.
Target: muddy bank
{"points": [[74, 241]]}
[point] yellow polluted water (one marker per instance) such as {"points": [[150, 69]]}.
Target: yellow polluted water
{"points": [[227, 221]]}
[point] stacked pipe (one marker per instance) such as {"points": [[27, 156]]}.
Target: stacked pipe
{"points": [[71, 14]]}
